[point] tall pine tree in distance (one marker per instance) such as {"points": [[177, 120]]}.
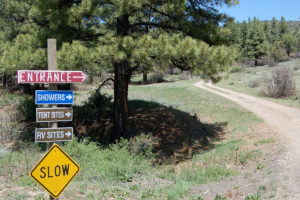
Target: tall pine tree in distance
{"points": [[244, 35], [274, 34], [267, 31], [283, 27], [257, 44]]}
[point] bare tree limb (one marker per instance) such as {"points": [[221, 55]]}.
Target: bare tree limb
{"points": [[103, 83]]}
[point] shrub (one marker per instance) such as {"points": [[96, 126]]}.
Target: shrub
{"points": [[142, 145], [27, 108], [184, 77], [254, 83], [156, 78], [280, 83], [236, 69], [173, 71], [100, 101], [97, 105], [272, 63]]}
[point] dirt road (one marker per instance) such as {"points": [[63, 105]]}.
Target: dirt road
{"points": [[285, 121]]}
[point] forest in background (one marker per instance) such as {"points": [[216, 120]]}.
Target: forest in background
{"points": [[272, 41]]}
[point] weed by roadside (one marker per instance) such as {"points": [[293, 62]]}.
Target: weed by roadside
{"points": [[265, 141], [255, 196]]}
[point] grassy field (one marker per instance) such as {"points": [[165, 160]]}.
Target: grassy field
{"points": [[121, 172], [241, 81]]}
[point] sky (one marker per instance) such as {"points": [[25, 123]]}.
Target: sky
{"points": [[264, 9]]}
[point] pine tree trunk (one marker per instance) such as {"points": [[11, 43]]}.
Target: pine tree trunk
{"points": [[121, 120], [145, 77], [91, 79], [4, 81], [122, 76]]}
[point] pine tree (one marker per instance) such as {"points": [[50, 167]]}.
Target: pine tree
{"points": [[274, 31], [289, 43], [257, 44], [276, 51], [125, 36], [283, 27], [244, 35], [234, 35], [297, 36], [267, 31], [20, 46]]}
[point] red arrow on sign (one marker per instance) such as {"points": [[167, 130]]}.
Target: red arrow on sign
{"points": [[45, 76]]}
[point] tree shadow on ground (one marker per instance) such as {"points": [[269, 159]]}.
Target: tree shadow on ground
{"points": [[179, 134]]}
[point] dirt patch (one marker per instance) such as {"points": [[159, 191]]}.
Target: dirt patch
{"points": [[259, 177]]}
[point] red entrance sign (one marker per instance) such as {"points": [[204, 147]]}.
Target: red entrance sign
{"points": [[45, 76]]}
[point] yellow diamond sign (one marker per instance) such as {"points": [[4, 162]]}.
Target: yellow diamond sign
{"points": [[55, 171]]}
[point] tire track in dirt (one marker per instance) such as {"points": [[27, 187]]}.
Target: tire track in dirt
{"points": [[284, 120]]}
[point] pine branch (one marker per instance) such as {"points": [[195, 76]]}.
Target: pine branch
{"points": [[164, 26]]}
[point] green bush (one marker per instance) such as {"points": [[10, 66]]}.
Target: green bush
{"points": [[97, 105], [236, 69], [156, 78], [83, 112], [142, 145], [100, 101], [27, 107]]}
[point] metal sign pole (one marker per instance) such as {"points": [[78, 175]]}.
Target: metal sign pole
{"points": [[52, 65]]}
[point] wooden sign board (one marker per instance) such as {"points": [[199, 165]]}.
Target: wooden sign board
{"points": [[55, 171], [59, 114], [53, 134], [48, 76]]}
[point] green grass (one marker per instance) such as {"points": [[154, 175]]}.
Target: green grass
{"points": [[17, 196], [184, 96], [121, 173], [265, 141], [112, 164], [179, 191], [40, 196]]}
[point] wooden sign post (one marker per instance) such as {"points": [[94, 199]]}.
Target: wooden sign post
{"points": [[52, 65], [52, 115]]}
